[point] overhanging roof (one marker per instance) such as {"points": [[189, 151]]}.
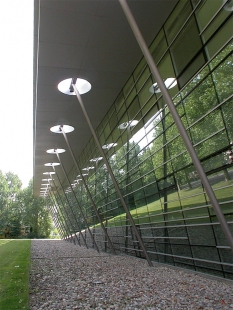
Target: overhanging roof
{"points": [[91, 40]]}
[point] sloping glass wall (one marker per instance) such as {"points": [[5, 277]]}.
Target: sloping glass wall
{"points": [[162, 190]]}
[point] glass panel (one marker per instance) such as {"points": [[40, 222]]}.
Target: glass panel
{"points": [[228, 118], [145, 75], [133, 109], [186, 46], [195, 65], [144, 93], [222, 36], [210, 124], [206, 11], [227, 50], [223, 78], [119, 101], [158, 47], [177, 19], [200, 101], [140, 67], [128, 87]]}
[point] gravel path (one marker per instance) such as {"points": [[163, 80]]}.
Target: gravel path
{"points": [[66, 276]]}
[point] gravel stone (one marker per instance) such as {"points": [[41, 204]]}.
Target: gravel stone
{"points": [[65, 276]]}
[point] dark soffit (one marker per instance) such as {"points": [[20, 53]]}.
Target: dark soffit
{"points": [[90, 40]]}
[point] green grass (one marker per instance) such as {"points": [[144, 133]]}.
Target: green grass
{"points": [[14, 274], [188, 198]]}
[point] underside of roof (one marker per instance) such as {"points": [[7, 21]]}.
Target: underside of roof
{"points": [[91, 40]]}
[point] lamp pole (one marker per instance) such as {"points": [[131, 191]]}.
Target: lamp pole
{"points": [[80, 232], [61, 129], [58, 224], [64, 225], [127, 126], [67, 214], [81, 211]]}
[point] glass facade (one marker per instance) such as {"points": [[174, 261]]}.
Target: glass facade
{"points": [[156, 176]]}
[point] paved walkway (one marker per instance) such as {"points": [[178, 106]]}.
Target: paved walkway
{"points": [[66, 276]]}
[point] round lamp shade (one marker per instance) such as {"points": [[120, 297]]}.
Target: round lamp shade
{"points": [[51, 164], [108, 146], [169, 83], [58, 128], [55, 151], [66, 88], [128, 124]]}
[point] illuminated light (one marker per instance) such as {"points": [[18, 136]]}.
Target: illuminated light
{"points": [[65, 86], [169, 83]]}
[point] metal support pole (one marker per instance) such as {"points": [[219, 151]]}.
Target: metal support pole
{"points": [[55, 220], [65, 225], [178, 122], [126, 187], [87, 189], [80, 208], [112, 175], [60, 226], [67, 215], [58, 223], [80, 232]]}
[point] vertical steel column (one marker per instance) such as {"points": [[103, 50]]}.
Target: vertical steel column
{"points": [[178, 122], [80, 208], [87, 189], [80, 232], [112, 175]]}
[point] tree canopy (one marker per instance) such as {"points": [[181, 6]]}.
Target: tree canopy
{"points": [[22, 214]]}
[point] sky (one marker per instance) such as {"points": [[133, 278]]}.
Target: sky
{"points": [[16, 88]]}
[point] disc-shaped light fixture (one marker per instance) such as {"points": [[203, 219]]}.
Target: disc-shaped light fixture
{"points": [[108, 146], [128, 124], [52, 164], [55, 151], [65, 86], [58, 128], [88, 168], [96, 159], [169, 83], [48, 173]]}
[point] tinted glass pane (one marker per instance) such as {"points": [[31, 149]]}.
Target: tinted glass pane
{"points": [[185, 46], [177, 19]]}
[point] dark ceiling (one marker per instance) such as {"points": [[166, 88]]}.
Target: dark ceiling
{"points": [[90, 40]]}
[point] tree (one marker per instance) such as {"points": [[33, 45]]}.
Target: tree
{"points": [[19, 208], [35, 213]]}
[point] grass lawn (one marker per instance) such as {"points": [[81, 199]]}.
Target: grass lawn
{"points": [[14, 274], [188, 198]]}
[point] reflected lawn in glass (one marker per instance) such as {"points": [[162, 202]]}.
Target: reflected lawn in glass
{"points": [[192, 199]]}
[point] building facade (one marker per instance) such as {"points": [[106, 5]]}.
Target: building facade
{"points": [[160, 185]]}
